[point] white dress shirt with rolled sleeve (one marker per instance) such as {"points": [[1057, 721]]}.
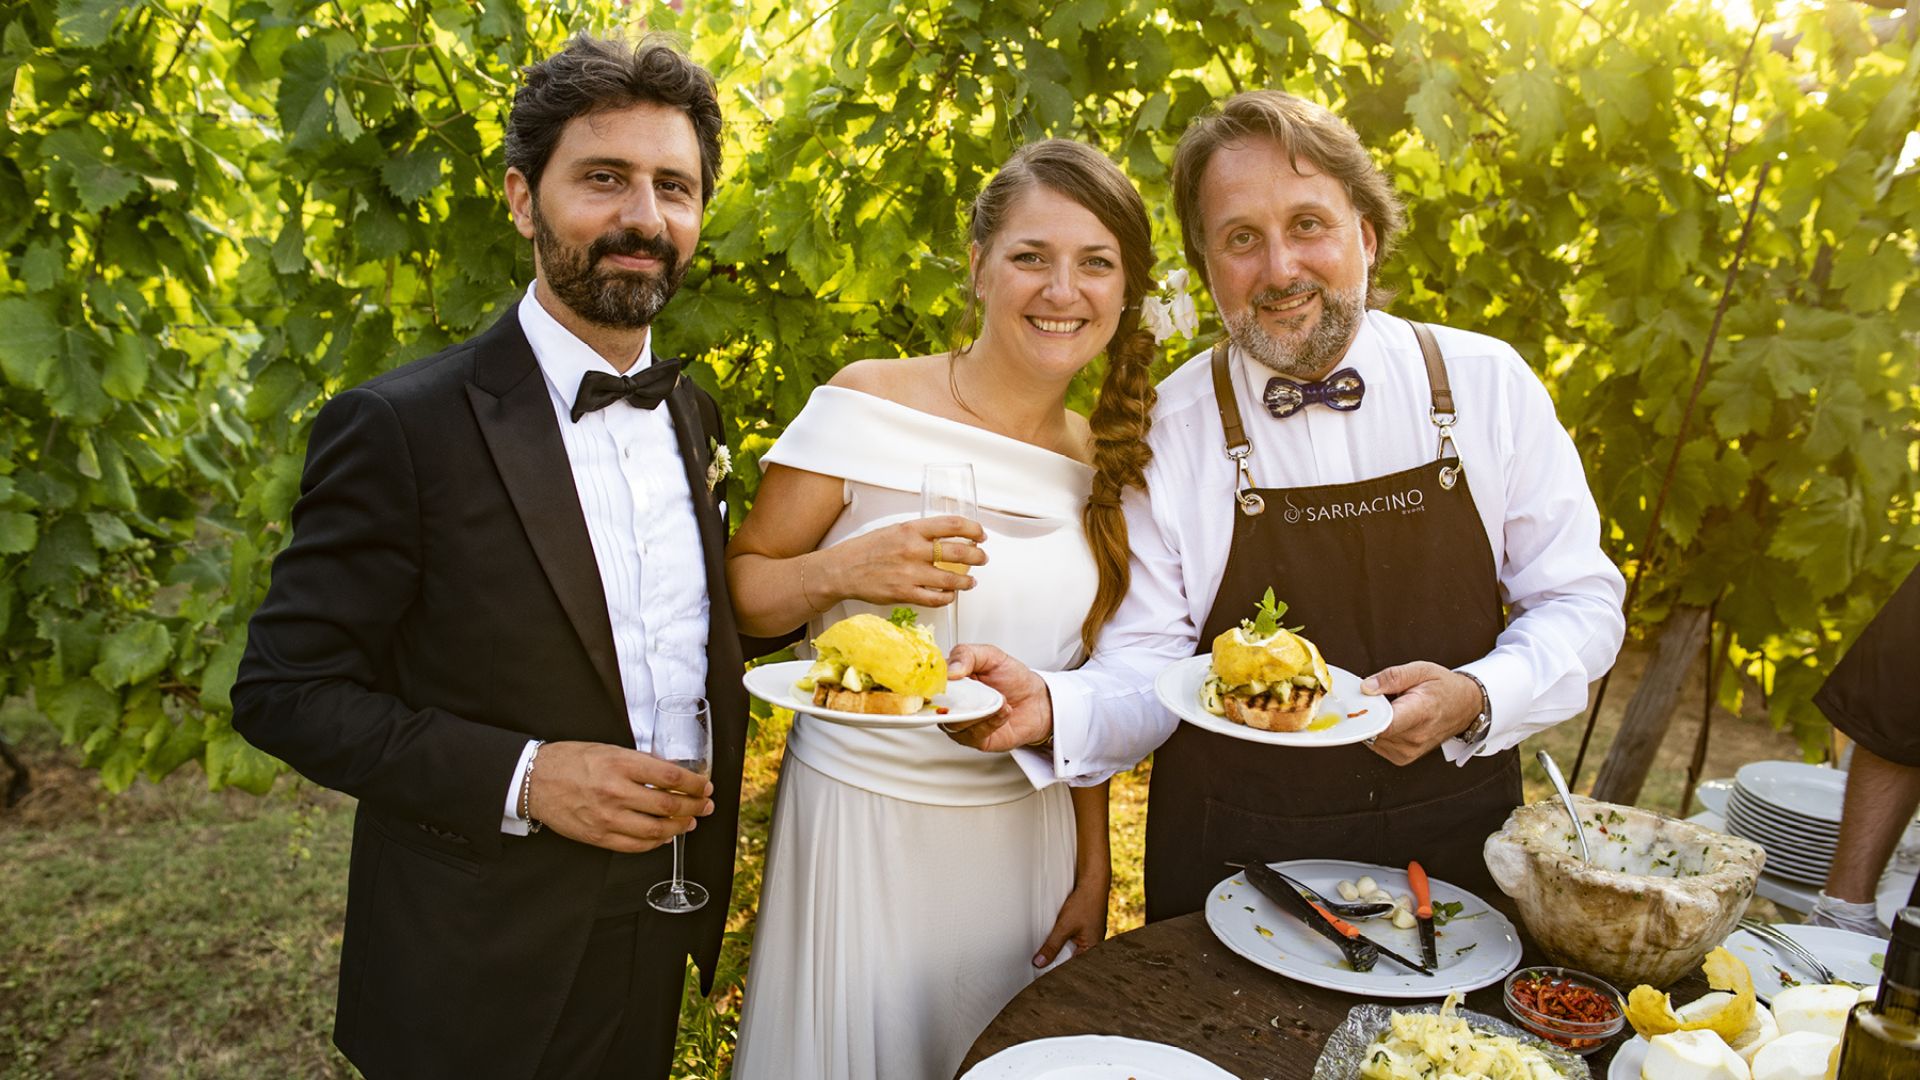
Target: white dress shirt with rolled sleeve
{"points": [[1563, 594], [632, 485]]}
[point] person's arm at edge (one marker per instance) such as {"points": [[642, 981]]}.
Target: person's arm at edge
{"points": [[1083, 916], [1563, 593], [1106, 716], [1881, 798], [304, 689]]}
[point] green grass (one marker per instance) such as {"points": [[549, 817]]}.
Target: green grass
{"points": [[176, 932]]}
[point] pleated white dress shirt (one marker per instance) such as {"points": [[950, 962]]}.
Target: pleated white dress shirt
{"points": [[632, 485], [1563, 594]]}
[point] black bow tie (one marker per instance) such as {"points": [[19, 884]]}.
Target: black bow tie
{"points": [[1341, 390], [643, 391]]}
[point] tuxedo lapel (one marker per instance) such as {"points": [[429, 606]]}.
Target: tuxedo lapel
{"points": [[510, 401]]}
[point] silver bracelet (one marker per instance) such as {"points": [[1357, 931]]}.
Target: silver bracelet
{"points": [[526, 790]]}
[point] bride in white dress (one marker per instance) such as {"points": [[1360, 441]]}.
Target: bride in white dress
{"points": [[913, 886]]}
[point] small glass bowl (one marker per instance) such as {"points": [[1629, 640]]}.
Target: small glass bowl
{"points": [[1578, 1036]]}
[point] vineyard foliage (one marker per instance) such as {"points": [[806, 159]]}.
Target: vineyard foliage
{"points": [[217, 214]]}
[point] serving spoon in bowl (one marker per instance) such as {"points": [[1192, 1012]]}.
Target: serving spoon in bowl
{"points": [[1566, 799]]}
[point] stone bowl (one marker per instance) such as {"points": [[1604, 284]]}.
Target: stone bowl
{"points": [[1658, 895]]}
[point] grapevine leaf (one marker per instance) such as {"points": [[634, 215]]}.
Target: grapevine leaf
{"points": [[42, 265], [133, 653], [233, 762], [81, 708], [82, 155], [30, 338], [110, 533], [307, 91], [412, 176], [73, 382], [18, 532], [88, 23], [127, 367], [63, 557], [289, 248], [223, 667]]}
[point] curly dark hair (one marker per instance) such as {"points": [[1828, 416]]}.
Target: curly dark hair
{"points": [[592, 75]]}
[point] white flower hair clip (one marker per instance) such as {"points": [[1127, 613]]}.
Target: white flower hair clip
{"points": [[1171, 310], [719, 463]]}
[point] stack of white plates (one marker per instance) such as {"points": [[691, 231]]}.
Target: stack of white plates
{"points": [[1792, 810]]}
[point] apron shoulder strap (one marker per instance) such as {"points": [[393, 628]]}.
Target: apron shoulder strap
{"points": [[1442, 412], [1238, 447], [1436, 369], [1229, 406]]}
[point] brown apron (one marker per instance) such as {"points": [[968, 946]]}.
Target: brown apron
{"points": [[1377, 572]]}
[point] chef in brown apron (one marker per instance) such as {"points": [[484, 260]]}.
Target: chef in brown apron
{"points": [[1412, 581], [1407, 491]]}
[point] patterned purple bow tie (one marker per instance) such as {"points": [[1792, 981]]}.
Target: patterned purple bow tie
{"points": [[1341, 390]]}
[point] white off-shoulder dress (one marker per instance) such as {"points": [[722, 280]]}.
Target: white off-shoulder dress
{"points": [[909, 879]]}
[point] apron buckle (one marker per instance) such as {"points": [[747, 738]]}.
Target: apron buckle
{"points": [[1251, 504]]}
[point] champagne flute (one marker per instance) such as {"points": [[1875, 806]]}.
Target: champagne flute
{"points": [[682, 735], [947, 488]]}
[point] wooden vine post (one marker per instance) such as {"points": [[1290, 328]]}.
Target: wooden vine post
{"points": [[1650, 712]]}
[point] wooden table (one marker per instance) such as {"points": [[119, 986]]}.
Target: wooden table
{"points": [[1174, 982]]}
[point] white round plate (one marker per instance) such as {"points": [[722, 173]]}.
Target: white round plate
{"points": [[1750, 804], [1357, 716], [1809, 790], [1095, 1057], [1778, 846], [965, 699], [1713, 794], [1627, 1062], [1800, 831], [1774, 835], [1850, 955], [1477, 947], [1781, 856], [1798, 839]]}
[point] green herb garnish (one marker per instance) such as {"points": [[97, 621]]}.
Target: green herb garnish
{"points": [[1445, 910], [903, 617], [1266, 622]]}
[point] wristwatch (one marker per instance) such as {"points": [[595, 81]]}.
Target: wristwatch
{"points": [[1476, 731]]}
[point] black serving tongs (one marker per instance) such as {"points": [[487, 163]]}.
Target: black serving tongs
{"points": [[1361, 951]]}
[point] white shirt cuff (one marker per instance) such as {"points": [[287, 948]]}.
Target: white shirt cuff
{"points": [[510, 822], [1069, 730], [1509, 694]]}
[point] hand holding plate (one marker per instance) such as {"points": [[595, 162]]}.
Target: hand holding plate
{"points": [[1431, 704], [1026, 718]]}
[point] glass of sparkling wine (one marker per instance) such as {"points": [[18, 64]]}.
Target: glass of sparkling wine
{"points": [[947, 488], [683, 735]]}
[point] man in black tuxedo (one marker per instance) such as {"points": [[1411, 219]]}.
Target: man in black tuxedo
{"points": [[502, 557]]}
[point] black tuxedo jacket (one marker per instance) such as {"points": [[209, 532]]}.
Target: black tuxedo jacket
{"points": [[438, 605]]}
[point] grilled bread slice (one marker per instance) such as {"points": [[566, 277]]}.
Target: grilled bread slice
{"points": [[1271, 712], [867, 701]]}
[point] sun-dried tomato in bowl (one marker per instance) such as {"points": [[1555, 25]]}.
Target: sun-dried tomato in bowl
{"points": [[1565, 1007]]}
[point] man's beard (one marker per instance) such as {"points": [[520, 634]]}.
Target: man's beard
{"points": [[1340, 315], [626, 299]]}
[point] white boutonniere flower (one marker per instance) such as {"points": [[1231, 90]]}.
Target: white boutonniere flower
{"points": [[719, 464], [1171, 310]]}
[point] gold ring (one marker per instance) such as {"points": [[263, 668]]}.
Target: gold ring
{"points": [[937, 560]]}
